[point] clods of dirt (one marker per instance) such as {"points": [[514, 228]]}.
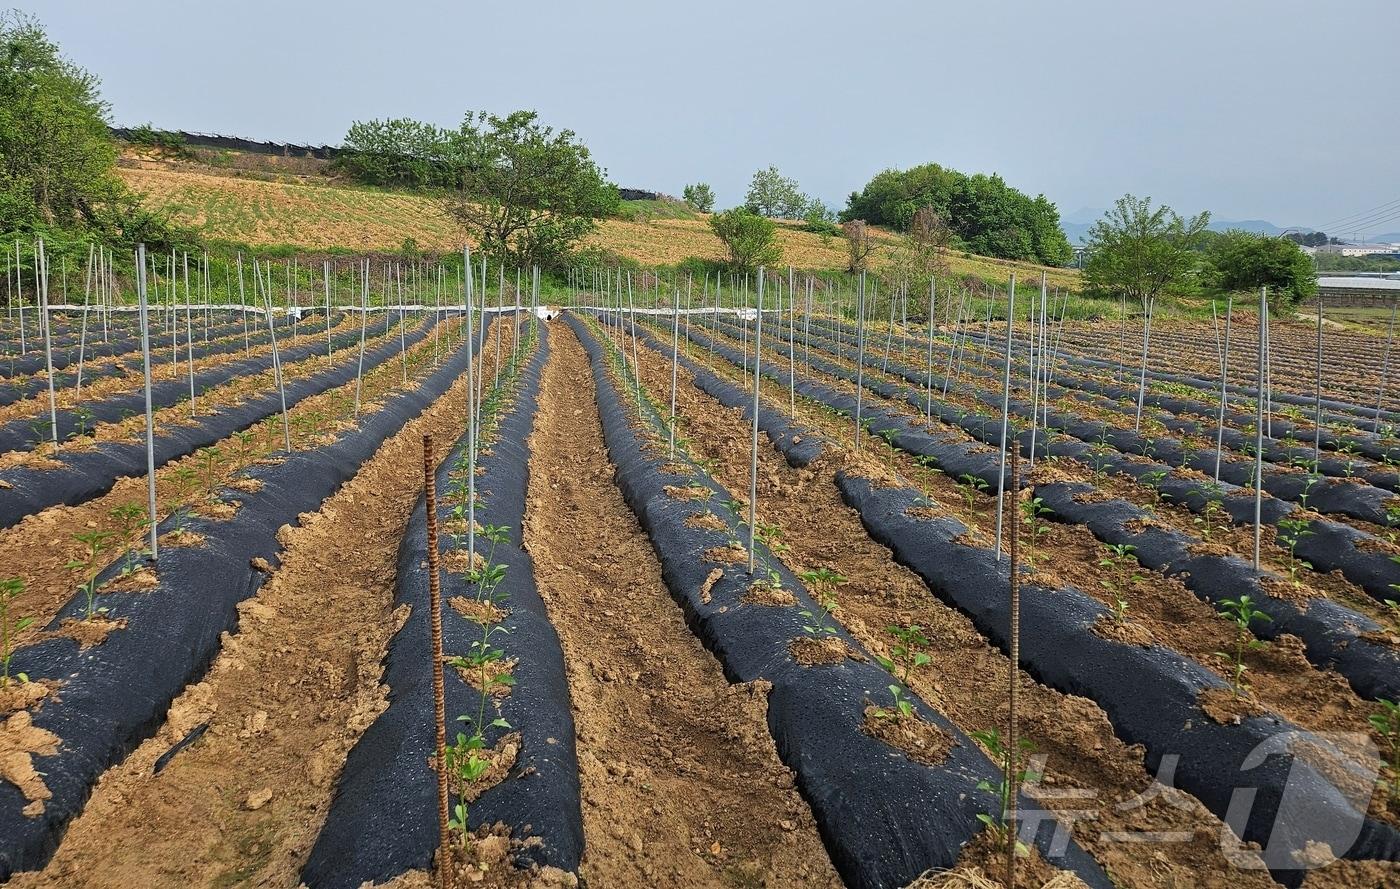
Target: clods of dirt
{"points": [[19, 695], [257, 799], [501, 759], [1093, 496], [761, 592], [219, 511], [1207, 548], [983, 866], [731, 554], [1228, 708], [1125, 631], [1383, 637], [182, 537], [1287, 590], [706, 520], [20, 742], [1141, 525], [458, 561], [89, 631], [143, 578], [919, 740], [489, 861], [688, 492], [810, 652], [499, 675], [478, 612], [246, 485], [1354, 875]]}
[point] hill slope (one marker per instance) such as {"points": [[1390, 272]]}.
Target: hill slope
{"points": [[313, 212]]}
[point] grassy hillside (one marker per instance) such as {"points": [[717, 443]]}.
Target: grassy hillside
{"points": [[315, 212]]}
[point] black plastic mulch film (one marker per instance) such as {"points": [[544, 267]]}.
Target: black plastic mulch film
{"points": [[1326, 494], [114, 695], [91, 472], [1148, 693], [1332, 545], [1334, 636], [66, 345], [224, 338], [383, 820], [884, 817], [20, 435], [1345, 411]]}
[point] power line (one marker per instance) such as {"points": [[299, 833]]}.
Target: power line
{"points": [[1355, 218], [1374, 223]]}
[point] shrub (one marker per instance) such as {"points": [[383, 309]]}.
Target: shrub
{"points": [[698, 267], [748, 238], [820, 220], [1240, 260], [774, 195], [165, 141], [699, 196]]}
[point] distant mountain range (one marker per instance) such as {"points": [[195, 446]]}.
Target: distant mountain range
{"points": [[1076, 227]]}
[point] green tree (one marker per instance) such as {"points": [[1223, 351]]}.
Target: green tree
{"points": [[776, 196], [1138, 251], [893, 196], [983, 213], [527, 193], [1308, 239], [401, 153], [57, 156], [1241, 260], [699, 196], [748, 237]]}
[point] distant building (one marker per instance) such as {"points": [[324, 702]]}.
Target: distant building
{"points": [[1359, 249]]}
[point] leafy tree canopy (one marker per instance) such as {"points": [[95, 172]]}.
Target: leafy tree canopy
{"points": [[699, 196], [748, 237], [1240, 260], [1139, 251], [57, 157], [776, 196], [527, 193], [1311, 239], [984, 214], [402, 153]]}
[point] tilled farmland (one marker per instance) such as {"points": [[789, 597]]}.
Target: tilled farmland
{"points": [[432, 581]]}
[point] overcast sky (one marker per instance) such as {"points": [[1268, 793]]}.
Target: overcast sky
{"points": [[1273, 109]]}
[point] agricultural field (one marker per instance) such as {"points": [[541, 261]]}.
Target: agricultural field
{"points": [[373, 575], [252, 200]]}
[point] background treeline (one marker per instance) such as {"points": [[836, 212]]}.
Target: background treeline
{"points": [[404, 153], [985, 214], [58, 176]]}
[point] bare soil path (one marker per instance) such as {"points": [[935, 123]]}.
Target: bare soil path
{"points": [[1089, 772], [284, 702], [682, 785]]}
